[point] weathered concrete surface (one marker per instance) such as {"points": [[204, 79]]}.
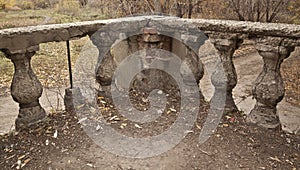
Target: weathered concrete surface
{"points": [[145, 57], [248, 68], [18, 43], [225, 45], [269, 88], [17, 39], [51, 99], [248, 28], [26, 89]]}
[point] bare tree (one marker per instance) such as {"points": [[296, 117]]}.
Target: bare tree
{"points": [[83, 3], [186, 7], [258, 10], [180, 8]]}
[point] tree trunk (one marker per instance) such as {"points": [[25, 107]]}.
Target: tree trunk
{"points": [[179, 12], [190, 9]]}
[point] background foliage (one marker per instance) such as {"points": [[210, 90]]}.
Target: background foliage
{"points": [[245, 10]]}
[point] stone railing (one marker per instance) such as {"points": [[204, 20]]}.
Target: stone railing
{"points": [[274, 43]]}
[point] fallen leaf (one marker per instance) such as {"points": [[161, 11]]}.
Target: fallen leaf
{"points": [[115, 118], [225, 125], [25, 162], [11, 157], [98, 127], [82, 120], [103, 102], [80, 106], [145, 100], [275, 159], [123, 125], [90, 165], [21, 157], [55, 134], [173, 110], [137, 126]]}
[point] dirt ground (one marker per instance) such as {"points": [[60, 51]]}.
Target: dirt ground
{"points": [[61, 143]]}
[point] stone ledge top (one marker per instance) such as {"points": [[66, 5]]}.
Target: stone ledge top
{"points": [[245, 27], [16, 39], [83, 24]]}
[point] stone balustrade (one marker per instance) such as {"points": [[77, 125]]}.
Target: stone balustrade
{"points": [[274, 43]]}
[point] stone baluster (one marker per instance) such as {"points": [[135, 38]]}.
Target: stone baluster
{"points": [[224, 78], [26, 89], [268, 89], [104, 74], [194, 64]]}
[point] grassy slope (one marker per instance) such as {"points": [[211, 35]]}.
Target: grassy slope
{"points": [[35, 17]]}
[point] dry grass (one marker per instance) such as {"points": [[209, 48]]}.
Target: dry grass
{"points": [[50, 64], [22, 18], [6, 72]]}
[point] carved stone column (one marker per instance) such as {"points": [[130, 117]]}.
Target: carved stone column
{"points": [[104, 74], [268, 89], [224, 78], [26, 89], [194, 64]]}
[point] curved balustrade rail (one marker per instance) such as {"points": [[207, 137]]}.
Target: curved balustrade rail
{"points": [[274, 42]]}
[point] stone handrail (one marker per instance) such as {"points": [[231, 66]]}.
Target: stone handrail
{"points": [[274, 42], [24, 37]]}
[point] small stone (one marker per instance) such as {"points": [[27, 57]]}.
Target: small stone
{"points": [[160, 111], [55, 134], [159, 92], [90, 165]]}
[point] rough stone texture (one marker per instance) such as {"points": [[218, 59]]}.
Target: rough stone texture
{"points": [[20, 39], [269, 88], [148, 39], [224, 77], [248, 28], [152, 78], [20, 43], [26, 89], [106, 70], [105, 73], [16, 39]]}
